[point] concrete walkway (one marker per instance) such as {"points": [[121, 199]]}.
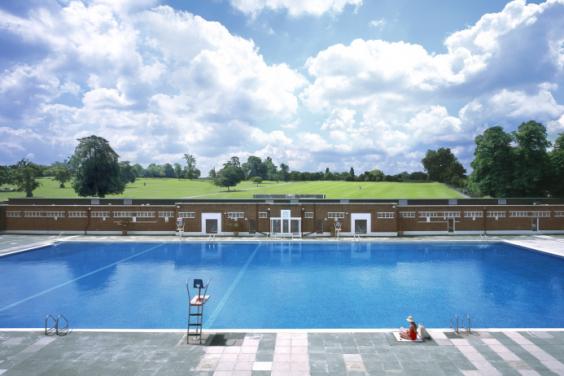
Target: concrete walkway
{"points": [[541, 243], [283, 353]]}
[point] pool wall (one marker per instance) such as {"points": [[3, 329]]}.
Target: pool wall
{"points": [[297, 217]]}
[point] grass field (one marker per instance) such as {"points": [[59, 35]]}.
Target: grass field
{"points": [[174, 188]]}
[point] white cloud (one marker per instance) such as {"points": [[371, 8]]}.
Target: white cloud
{"points": [[378, 24], [294, 7], [396, 90]]}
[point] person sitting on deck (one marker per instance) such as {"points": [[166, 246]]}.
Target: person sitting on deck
{"points": [[411, 332]]}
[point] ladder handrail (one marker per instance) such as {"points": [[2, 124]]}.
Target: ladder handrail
{"points": [[64, 330], [52, 330]]}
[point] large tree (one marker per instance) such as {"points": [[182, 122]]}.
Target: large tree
{"points": [[442, 166], [271, 169], [557, 167], [254, 167], [5, 175], [61, 172], [493, 163], [532, 165], [25, 175], [284, 172], [97, 168], [127, 172], [191, 171]]}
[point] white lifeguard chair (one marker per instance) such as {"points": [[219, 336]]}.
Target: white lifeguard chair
{"points": [[338, 226], [196, 303], [180, 226]]}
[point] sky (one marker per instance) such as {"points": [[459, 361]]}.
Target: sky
{"points": [[311, 83]]}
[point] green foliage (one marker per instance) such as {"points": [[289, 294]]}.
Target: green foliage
{"points": [[97, 168], [25, 175], [138, 170], [231, 174], [5, 175], [178, 171], [257, 180], [212, 174], [254, 167], [127, 172], [557, 167], [493, 164], [271, 169], [532, 164], [191, 172], [168, 170], [62, 173], [442, 166], [284, 173]]}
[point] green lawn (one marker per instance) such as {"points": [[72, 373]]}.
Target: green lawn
{"points": [[174, 188]]}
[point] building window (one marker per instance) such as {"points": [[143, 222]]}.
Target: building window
{"points": [[496, 214], [540, 214], [44, 214], [235, 215], [144, 214], [187, 214], [100, 214], [451, 214], [559, 214], [430, 214], [14, 214], [308, 215], [166, 214], [263, 215], [77, 214], [385, 215], [336, 215], [473, 214], [519, 214], [407, 214], [123, 214]]}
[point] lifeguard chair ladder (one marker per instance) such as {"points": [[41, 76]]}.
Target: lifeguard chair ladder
{"points": [[196, 303]]}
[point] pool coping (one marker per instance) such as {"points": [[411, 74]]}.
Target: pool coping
{"points": [[289, 330]]}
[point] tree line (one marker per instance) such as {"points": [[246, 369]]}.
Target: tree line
{"points": [[516, 164]]}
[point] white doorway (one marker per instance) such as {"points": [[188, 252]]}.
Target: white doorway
{"points": [[211, 223], [361, 223]]}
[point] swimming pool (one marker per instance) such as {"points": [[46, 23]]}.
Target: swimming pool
{"points": [[283, 284]]}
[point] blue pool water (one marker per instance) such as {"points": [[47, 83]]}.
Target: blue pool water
{"points": [[283, 285]]}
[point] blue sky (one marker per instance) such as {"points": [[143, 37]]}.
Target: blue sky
{"points": [[314, 84]]}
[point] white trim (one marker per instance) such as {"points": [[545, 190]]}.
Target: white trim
{"points": [[206, 216], [151, 232], [312, 330], [361, 217]]}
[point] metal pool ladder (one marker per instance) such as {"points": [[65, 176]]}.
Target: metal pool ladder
{"points": [[56, 325], [196, 305]]}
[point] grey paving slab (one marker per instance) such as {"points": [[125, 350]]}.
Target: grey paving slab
{"points": [[94, 353]]}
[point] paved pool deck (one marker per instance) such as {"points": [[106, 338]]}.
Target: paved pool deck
{"points": [[282, 353]]}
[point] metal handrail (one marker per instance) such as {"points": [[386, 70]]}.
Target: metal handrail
{"points": [[64, 330], [49, 331]]}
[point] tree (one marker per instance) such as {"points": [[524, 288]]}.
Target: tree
{"points": [[531, 174], [191, 171], [25, 175], [254, 167], [284, 172], [61, 173], [442, 166], [257, 180], [212, 174], [557, 167], [493, 163], [127, 172], [168, 170], [351, 176], [138, 170], [97, 168], [5, 175], [229, 176], [271, 169], [154, 170], [178, 170]]}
